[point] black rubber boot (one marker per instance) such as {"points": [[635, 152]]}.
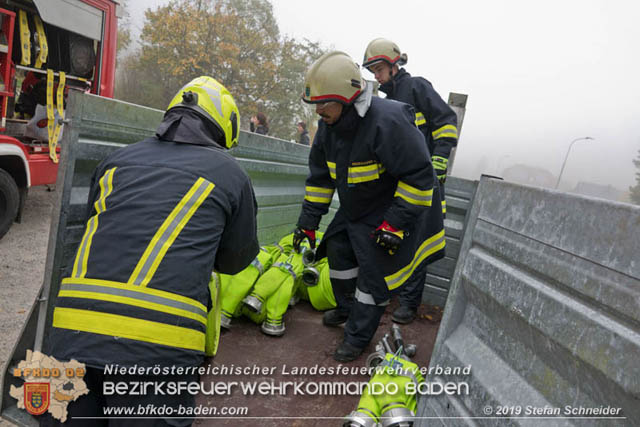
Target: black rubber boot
{"points": [[403, 314], [334, 318], [346, 352]]}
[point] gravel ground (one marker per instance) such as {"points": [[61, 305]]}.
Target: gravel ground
{"points": [[23, 252]]}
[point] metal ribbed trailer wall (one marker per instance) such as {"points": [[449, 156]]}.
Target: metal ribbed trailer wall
{"points": [[545, 309]]}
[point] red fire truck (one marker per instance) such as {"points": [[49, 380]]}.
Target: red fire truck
{"points": [[46, 48]]}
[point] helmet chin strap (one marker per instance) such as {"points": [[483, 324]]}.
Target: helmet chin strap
{"points": [[393, 81]]}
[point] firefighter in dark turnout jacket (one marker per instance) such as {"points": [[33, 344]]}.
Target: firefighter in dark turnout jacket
{"points": [[162, 215], [390, 220], [437, 122]]}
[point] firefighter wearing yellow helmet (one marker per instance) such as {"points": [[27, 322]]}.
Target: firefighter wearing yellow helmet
{"points": [[389, 221], [435, 119], [212, 102], [162, 214]]}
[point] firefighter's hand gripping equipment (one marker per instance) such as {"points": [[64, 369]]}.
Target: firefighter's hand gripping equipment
{"points": [[440, 165], [300, 234], [388, 237]]}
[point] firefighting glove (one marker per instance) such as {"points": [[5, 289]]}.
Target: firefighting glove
{"points": [[388, 237], [299, 234], [440, 166]]}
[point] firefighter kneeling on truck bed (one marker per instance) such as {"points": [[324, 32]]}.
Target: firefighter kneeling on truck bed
{"points": [[390, 217], [162, 214]]}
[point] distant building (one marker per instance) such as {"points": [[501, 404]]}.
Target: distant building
{"points": [[602, 191], [529, 175]]}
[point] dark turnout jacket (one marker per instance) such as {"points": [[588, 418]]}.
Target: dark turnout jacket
{"points": [[379, 166], [162, 215], [435, 119]]}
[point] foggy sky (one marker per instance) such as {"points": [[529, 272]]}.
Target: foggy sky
{"points": [[538, 74]]}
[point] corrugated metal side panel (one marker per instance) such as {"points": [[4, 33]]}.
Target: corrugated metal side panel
{"points": [[544, 307], [459, 196], [278, 170]]}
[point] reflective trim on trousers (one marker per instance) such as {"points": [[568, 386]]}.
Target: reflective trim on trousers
{"points": [[367, 299], [352, 273]]}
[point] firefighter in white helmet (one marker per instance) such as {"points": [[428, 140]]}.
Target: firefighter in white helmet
{"points": [[390, 220], [437, 122]]}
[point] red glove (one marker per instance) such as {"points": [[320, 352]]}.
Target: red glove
{"points": [[388, 237], [300, 234]]}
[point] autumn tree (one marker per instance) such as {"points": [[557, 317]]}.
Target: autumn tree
{"points": [[635, 190], [285, 96], [238, 42], [124, 28], [122, 43]]}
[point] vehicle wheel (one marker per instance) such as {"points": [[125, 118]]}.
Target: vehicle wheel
{"points": [[9, 202]]}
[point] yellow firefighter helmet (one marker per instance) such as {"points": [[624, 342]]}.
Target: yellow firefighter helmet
{"points": [[211, 100]]}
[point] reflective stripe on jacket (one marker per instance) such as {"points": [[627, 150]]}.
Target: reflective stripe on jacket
{"points": [[435, 119], [161, 217], [378, 165]]}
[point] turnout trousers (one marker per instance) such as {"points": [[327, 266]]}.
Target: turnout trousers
{"points": [[410, 294], [351, 291]]}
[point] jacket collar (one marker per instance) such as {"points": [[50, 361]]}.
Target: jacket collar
{"points": [[187, 127], [390, 87], [347, 124]]}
